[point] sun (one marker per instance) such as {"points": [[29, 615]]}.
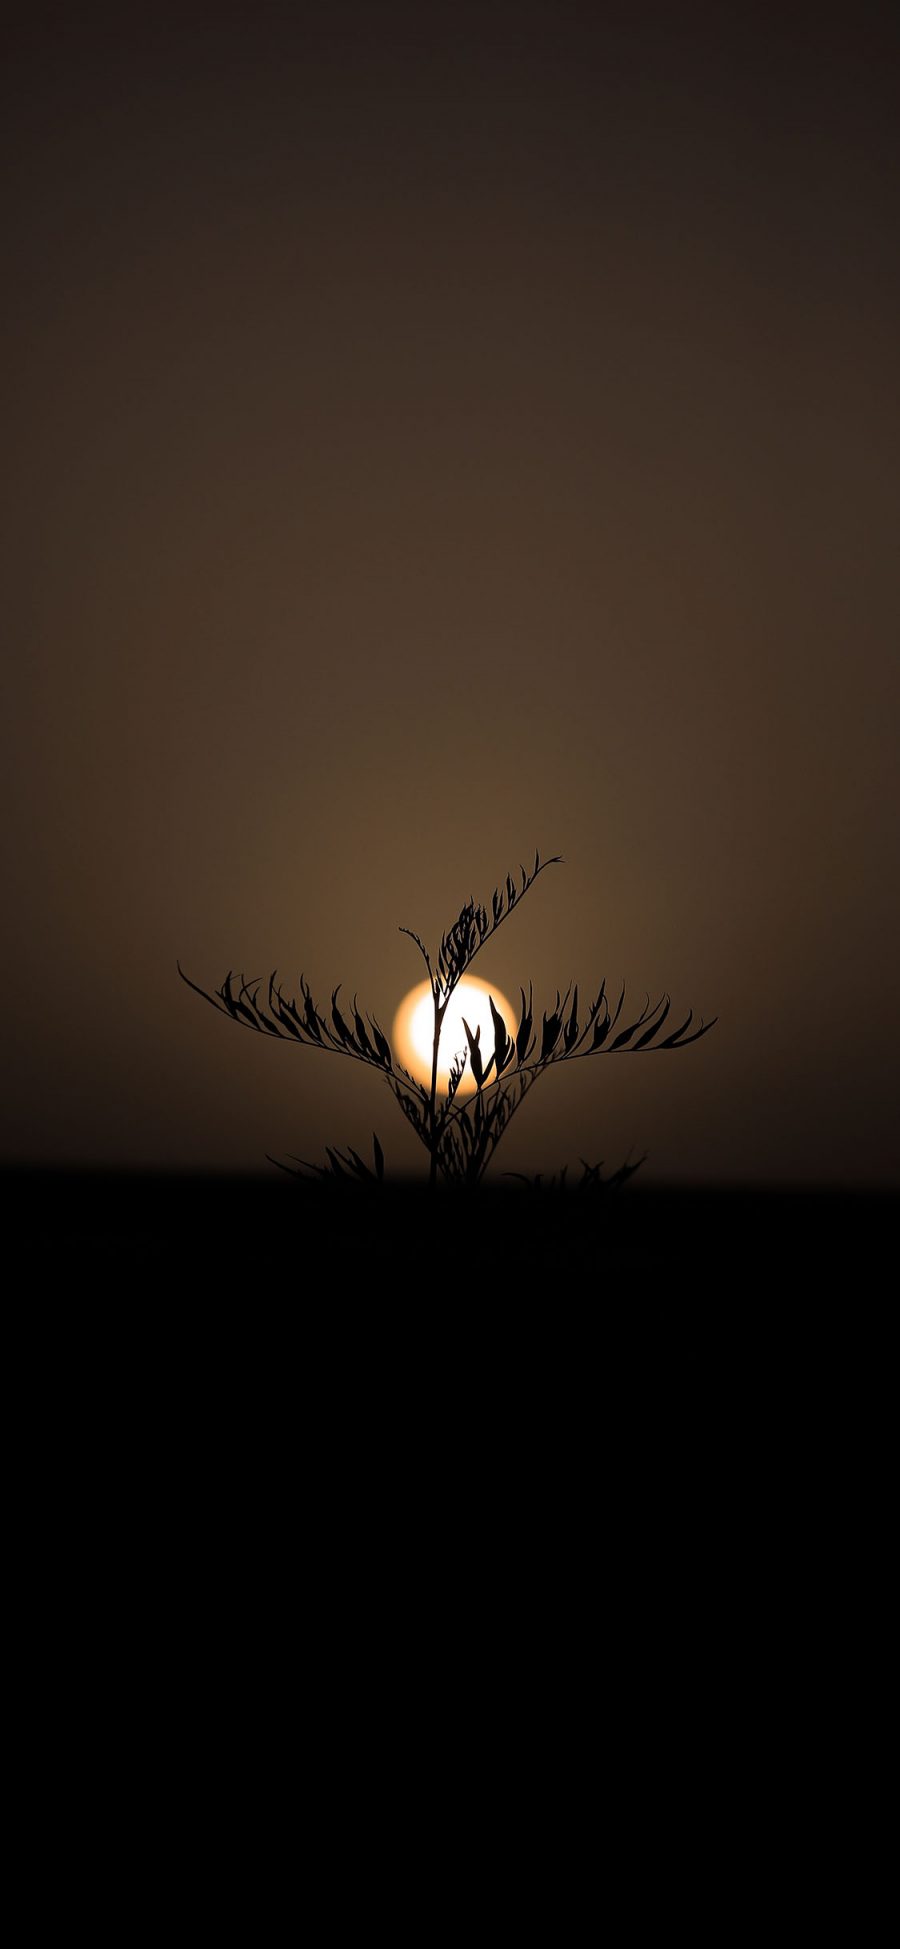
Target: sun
{"points": [[414, 1029]]}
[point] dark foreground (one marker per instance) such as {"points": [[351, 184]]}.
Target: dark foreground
{"points": [[273, 1392], [233, 1314], [208, 1237]]}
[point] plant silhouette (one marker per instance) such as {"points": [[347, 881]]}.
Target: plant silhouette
{"points": [[460, 1135]]}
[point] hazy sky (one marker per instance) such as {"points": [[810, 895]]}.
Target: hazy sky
{"points": [[433, 433]]}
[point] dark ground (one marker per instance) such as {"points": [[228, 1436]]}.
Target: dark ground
{"points": [[586, 1516], [256, 1238], [278, 1311], [298, 1317], [653, 1431], [208, 1344]]}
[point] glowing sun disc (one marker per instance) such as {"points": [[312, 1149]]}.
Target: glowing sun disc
{"points": [[414, 1029]]}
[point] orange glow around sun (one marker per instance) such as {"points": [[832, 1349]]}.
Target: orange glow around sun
{"points": [[414, 1029]]}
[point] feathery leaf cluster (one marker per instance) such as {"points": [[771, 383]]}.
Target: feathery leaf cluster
{"points": [[460, 1136]]}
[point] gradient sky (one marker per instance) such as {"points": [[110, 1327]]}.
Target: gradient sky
{"points": [[433, 433]]}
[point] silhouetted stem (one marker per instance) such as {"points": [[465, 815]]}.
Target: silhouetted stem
{"points": [[432, 1103]]}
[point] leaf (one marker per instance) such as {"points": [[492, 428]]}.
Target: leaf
{"points": [[602, 1029], [680, 1041], [618, 1007], [624, 1172], [672, 1040], [226, 995], [654, 1028], [286, 1012], [596, 1005], [281, 1167], [551, 1029], [340, 1025], [475, 1053], [502, 1044], [382, 1045], [523, 1033], [625, 1034], [362, 1040], [287, 1016], [313, 1018], [245, 1012], [571, 1033]]}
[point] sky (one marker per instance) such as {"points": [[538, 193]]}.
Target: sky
{"points": [[433, 434]]}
